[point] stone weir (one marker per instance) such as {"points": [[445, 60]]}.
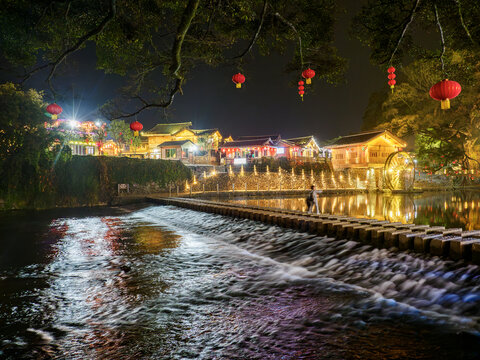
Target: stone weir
{"points": [[454, 243]]}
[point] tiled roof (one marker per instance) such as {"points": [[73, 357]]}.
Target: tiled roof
{"points": [[204, 132], [168, 128], [253, 137], [301, 141], [175, 143], [266, 141], [361, 138]]}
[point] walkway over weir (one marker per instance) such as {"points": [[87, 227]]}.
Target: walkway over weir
{"points": [[453, 243]]}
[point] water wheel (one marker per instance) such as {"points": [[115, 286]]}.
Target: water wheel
{"points": [[399, 171]]}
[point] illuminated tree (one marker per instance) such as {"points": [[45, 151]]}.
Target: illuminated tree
{"points": [[443, 137]]}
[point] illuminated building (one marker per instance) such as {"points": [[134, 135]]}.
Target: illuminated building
{"points": [[364, 150]]}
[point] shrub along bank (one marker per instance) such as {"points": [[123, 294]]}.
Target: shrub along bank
{"points": [[87, 181]]}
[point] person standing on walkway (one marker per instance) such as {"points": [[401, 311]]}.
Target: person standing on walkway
{"points": [[312, 200]]}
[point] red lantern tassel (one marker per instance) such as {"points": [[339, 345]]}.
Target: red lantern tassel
{"points": [[308, 81], [445, 104], [238, 85]]}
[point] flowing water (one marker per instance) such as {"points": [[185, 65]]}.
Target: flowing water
{"points": [[168, 283]]}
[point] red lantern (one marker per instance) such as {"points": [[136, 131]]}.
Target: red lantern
{"points": [[136, 126], [301, 87], [54, 110], [391, 77], [238, 79], [308, 74], [301, 83], [445, 90]]}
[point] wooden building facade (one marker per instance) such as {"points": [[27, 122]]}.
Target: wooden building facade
{"points": [[364, 150]]}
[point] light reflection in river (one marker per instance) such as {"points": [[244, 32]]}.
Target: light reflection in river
{"points": [[169, 283], [450, 209]]}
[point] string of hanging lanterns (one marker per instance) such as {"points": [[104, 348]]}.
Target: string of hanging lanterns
{"points": [[391, 77], [308, 74], [301, 89]]}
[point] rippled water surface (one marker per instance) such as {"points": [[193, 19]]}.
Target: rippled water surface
{"points": [[169, 283]]}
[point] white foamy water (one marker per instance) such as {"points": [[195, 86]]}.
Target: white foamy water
{"points": [[170, 283]]}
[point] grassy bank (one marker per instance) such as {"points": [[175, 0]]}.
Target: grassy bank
{"points": [[86, 181]]}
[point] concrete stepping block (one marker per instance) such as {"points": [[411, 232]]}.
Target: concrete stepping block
{"points": [[435, 229], [421, 242], [353, 231], [405, 239], [476, 253], [471, 234], [332, 226], [342, 229], [380, 236], [462, 249], [441, 246], [365, 233]]}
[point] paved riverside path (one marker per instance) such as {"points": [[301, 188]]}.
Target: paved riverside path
{"points": [[455, 244]]}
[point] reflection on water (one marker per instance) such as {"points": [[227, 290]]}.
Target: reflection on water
{"points": [[169, 283], [450, 209], [154, 241]]}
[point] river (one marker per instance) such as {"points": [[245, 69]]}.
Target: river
{"points": [[449, 209], [159, 282]]}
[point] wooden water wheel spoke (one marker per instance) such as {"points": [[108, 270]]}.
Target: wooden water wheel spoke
{"points": [[399, 171]]}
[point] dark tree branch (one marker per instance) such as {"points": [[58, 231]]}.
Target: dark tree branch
{"points": [[82, 40], [404, 31], [459, 5], [173, 92], [75, 47], [186, 21], [30, 73], [285, 21], [68, 10], [441, 37], [257, 33], [470, 158], [210, 18]]}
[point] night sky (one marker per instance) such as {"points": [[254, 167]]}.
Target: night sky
{"points": [[266, 104]]}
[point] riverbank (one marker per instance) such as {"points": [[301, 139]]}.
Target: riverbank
{"points": [[82, 181]]}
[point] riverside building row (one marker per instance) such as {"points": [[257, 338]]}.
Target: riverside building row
{"points": [[179, 141]]}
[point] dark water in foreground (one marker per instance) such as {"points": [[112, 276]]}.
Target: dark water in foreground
{"points": [[169, 283]]}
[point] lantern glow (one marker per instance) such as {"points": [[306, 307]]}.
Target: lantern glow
{"points": [[238, 79], [308, 74], [445, 90]]}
